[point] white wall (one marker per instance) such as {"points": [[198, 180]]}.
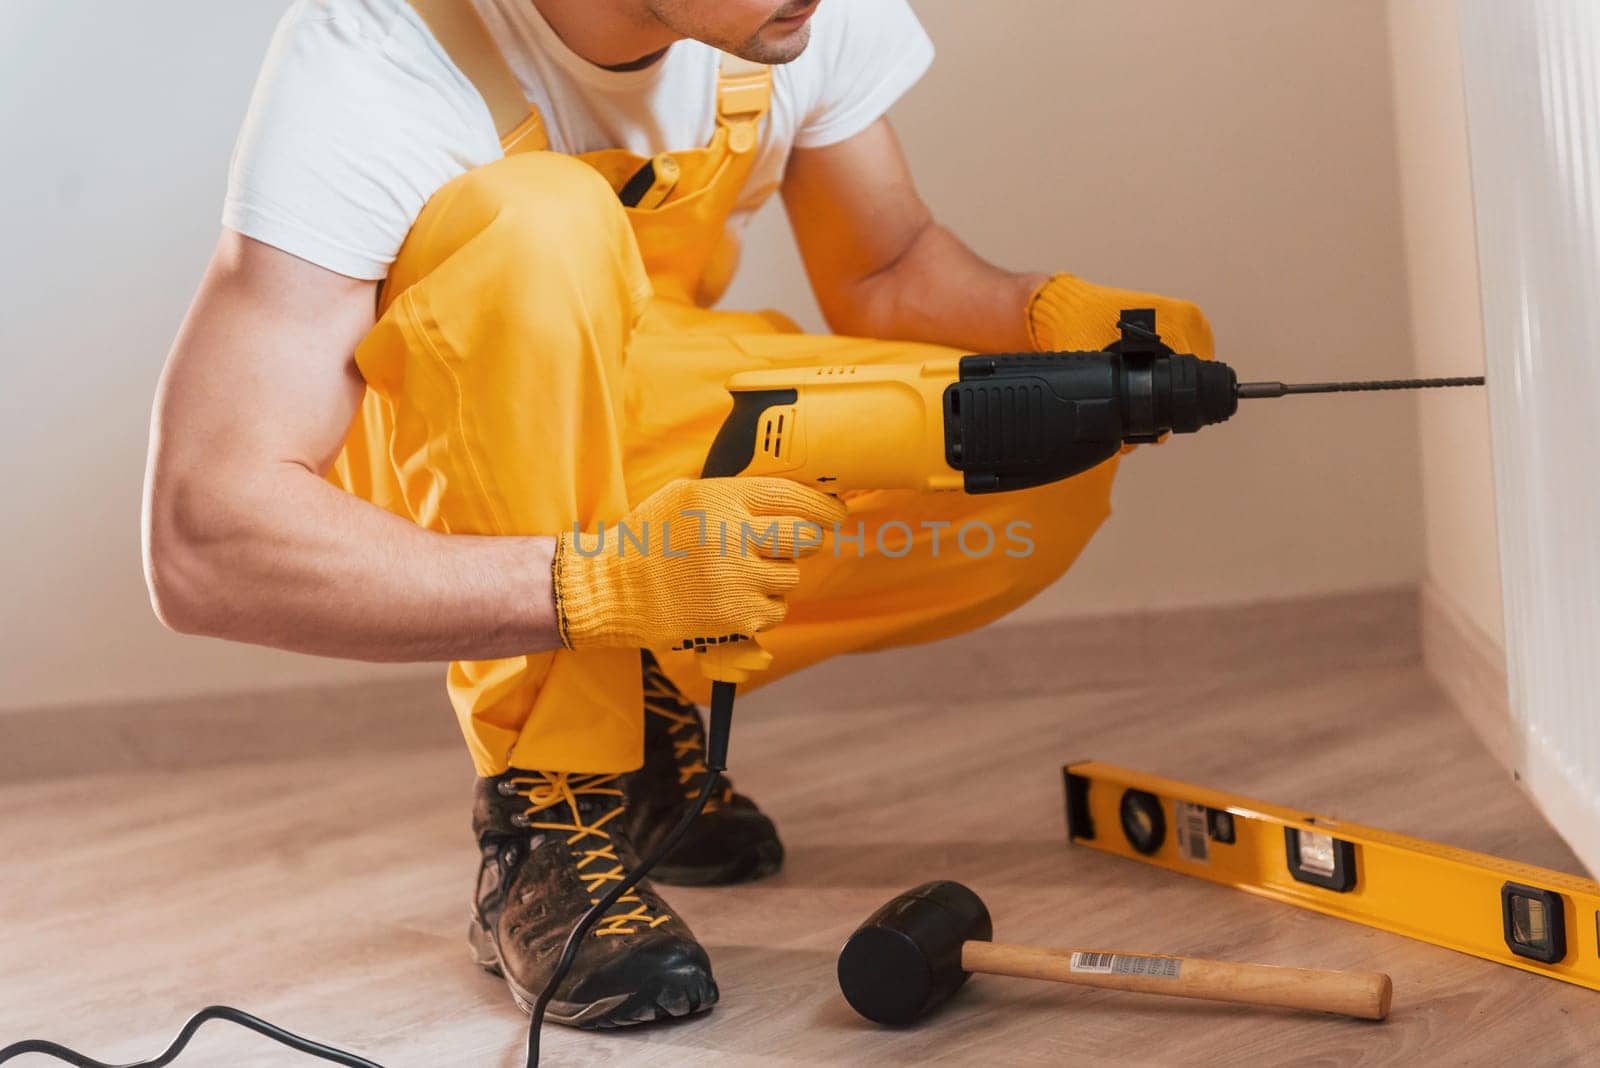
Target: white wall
{"points": [[1532, 75], [1461, 546], [1239, 152], [116, 121]]}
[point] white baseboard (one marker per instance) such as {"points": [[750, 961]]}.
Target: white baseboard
{"points": [[1471, 669]]}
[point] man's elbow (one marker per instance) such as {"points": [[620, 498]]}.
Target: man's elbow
{"points": [[177, 566], [168, 566], [855, 311]]}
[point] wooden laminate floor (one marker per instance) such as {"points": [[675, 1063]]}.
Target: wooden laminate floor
{"points": [[330, 894]]}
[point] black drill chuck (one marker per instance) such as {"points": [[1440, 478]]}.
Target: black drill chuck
{"points": [[1028, 419]]}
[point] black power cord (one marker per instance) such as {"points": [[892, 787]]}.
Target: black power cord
{"points": [[722, 695], [214, 1012]]}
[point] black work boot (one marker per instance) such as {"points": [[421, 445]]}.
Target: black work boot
{"points": [[731, 841], [552, 846]]}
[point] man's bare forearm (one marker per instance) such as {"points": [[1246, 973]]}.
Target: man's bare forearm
{"points": [[939, 290], [244, 539], [879, 263], [279, 557]]}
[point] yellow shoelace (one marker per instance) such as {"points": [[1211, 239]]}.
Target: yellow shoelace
{"points": [[661, 698], [543, 791]]}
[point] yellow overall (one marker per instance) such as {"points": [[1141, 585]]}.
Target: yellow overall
{"points": [[544, 356]]}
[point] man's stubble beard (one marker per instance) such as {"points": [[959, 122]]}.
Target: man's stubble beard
{"points": [[754, 49], [758, 51]]}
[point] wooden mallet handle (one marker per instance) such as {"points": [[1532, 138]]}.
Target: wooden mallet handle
{"points": [[1362, 994]]}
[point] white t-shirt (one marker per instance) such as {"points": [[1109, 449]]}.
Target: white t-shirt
{"points": [[359, 116]]}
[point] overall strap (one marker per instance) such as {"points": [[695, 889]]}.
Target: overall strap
{"points": [[744, 93], [460, 31]]}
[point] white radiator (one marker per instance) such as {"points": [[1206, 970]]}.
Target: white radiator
{"points": [[1532, 73]]}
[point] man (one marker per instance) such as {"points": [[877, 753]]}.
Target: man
{"points": [[448, 336]]}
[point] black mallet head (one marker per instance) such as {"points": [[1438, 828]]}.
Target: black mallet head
{"points": [[906, 958]]}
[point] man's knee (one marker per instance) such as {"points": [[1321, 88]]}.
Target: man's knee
{"points": [[534, 239], [538, 199], [1036, 535], [525, 209]]}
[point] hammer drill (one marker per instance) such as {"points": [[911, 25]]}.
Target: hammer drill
{"points": [[976, 424], [984, 424]]}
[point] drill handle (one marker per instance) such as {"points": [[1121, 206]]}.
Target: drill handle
{"points": [[734, 448], [727, 664]]}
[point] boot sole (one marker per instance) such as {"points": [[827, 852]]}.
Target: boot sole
{"points": [[619, 1010]]}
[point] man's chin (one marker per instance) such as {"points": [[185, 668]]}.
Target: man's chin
{"points": [[782, 49]]}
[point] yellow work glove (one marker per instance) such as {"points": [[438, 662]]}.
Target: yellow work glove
{"points": [[698, 559], [1067, 314]]}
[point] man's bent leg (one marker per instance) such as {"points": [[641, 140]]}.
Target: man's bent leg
{"points": [[494, 407]]}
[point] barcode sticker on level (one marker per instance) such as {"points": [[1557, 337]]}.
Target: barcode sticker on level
{"points": [[1126, 964], [1193, 843]]}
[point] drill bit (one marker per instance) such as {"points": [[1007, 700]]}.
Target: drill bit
{"points": [[1253, 390]]}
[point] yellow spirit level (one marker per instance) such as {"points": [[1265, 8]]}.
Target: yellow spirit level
{"points": [[1530, 918]]}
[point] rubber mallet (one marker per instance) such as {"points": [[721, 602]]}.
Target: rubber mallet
{"points": [[917, 950]]}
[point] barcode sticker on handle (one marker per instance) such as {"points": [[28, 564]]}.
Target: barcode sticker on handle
{"points": [[1126, 964], [1193, 841]]}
